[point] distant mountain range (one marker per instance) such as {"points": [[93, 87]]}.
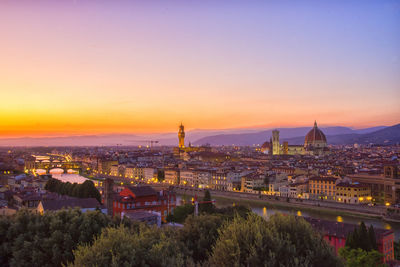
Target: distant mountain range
{"points": [[335, 135], [295, 136]]}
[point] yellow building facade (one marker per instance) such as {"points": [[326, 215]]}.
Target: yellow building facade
{"points": [[322, 188], [353, 193]]}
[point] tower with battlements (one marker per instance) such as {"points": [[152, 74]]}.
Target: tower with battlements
{"points": [[181, 136]]}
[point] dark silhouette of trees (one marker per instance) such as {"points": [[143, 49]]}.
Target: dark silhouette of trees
{"points": [[362, 238], [160, 175], [84, 190], [206, 207], [361, 248], [199, 235], [30, 239]]}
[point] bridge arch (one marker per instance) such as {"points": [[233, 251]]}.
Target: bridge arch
{"points": [[40, 171], [56, 171]]}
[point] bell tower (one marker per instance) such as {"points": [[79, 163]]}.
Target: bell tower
{"points": [[181, 136], [275, 143]]}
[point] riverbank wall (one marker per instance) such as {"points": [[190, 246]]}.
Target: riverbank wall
{"points": [[289, 203]]}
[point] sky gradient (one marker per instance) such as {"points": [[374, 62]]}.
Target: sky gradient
{"points": [[89, 67]]}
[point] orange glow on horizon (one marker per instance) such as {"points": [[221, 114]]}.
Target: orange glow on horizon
{"points": [[102, 67]]}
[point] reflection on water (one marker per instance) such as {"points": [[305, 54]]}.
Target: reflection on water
{"points": [[72, 178], [339, 219], [387, 226], [265, 212], [299, 213]]}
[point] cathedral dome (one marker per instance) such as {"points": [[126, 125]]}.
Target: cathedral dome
{"points": [[315, 137], [266, 147]]}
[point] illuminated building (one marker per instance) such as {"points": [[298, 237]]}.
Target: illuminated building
{"points": [[104, 165], [322, 187], [353, 193], [218, 180], [276, 146], [181, 149], [172, 176], [181, 136], [144, 198], [314, 144], [384, 187], [266, 148]]}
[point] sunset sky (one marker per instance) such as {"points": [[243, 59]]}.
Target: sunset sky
{"points": [[90, 67]]}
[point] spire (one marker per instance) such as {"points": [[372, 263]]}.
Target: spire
{"points": [[315, 124]]}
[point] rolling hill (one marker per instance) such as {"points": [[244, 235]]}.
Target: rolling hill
{"points": [[295, 136]]}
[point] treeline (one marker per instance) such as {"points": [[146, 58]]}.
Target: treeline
{"points": [[84, 190], [31, 239], [70, 237], [211, 240], [233, 236]]}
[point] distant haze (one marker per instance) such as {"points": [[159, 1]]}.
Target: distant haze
{"points": [[336, 135]]}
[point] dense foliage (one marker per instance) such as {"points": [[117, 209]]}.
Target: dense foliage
{"points": [[361, 258], [199, 235], [30, 239], [84, 190], [121, 246], [283, 241], [231, 236], [180, 213]]}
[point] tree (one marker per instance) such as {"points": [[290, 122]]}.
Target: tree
{"points": [[362, 238], [266, 182], [160, 175], [282, 241], [396, 247], [372, 237], [199, 235], [149, 246], [30, 239], [206, 207], [361, 258], [180, 213], [85, 190]]}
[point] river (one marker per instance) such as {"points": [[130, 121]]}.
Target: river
{"points": [[266, 211]]}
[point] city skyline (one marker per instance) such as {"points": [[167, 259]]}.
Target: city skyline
{"points": [[98, 67]]}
